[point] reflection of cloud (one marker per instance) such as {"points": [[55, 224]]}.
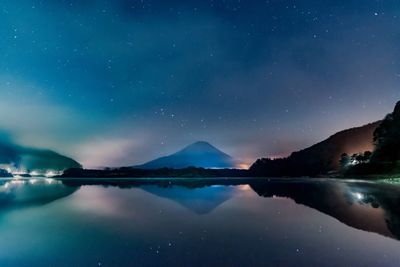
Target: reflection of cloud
{"points": [[96, 200]]}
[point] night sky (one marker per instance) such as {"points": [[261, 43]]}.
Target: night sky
{"points": [[114, 83]]}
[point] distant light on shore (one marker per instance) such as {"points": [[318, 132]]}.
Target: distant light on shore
{"points": [[358, 196], [243, 166]]}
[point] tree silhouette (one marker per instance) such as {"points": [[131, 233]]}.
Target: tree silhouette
{"points": [[387, 138], [344, 161]]}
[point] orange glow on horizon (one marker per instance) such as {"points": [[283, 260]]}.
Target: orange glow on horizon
{"points": [[244, 187], [243, 166]]}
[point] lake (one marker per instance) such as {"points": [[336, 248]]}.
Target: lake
{"points": [[199, 222]]}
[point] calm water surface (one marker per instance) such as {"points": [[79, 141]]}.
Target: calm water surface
{"points": [[223, 222]]}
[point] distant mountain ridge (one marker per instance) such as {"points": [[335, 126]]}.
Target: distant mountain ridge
{"points": [[17, 157], [45, 159], [320, 158], [199, 154]]}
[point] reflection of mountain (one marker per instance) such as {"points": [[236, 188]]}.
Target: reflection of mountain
{"points": [[199, 154], [365, 206], [31, 192], [200, 200], [319, 158], [373, 207]]}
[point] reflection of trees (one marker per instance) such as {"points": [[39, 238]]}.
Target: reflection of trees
{"points": [[337, 198], [386, 197], [160, 182], [179, 190]]}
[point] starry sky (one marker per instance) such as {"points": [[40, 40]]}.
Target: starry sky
{"points": [[120, 82]]}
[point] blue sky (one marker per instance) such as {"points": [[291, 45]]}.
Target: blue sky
{"points": [[121, 82]]}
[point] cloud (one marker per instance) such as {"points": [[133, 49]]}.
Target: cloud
{"points": [[107, 152]]}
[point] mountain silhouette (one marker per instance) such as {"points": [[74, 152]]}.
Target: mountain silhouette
{"points": [[44, 159], [34, 159], [199, 154], [320, 158]]}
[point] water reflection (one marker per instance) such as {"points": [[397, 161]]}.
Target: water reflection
{"points": [[372, 207], [368, 206], [191, 222], [20, 193], [197, 200]]}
